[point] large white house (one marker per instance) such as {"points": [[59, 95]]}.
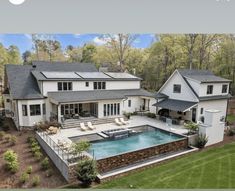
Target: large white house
{"points": [[187, 94], [59, 91]]}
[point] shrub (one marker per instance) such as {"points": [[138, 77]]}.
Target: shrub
{"points": [[151, 115], [13, 140], [86, 171], [2, 134], [45, 164], [38, 155], [192, 127], [230, 131], [7, 138], [35, 149], [36, 181], [24, 177], [29, 169], [34, 144], [31, 139], [49, 172], [11, 159], [77, 148], [201, 141]]}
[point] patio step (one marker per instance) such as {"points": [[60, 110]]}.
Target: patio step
{"points": [[75, 123]]}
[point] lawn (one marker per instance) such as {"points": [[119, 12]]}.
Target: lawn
{"points": [[211, 168], [231, 118]]}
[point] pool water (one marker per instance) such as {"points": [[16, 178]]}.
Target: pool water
{"points": [[107, 148]]}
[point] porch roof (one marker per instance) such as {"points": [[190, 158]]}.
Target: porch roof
{"points": [[82, 96], [175, 105]]}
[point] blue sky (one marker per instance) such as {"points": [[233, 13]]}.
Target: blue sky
{"points": [[24, 41]]}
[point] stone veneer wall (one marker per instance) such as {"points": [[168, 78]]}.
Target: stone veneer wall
{"points": [[114, 162]]}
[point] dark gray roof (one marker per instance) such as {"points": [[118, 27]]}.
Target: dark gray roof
{"points": [[206, 98], [22, 83], [160, 95], [175, 105], [203, 76], [64, 66], [81, 96]]}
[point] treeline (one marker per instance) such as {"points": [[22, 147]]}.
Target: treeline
{"points": [[215, 52]]}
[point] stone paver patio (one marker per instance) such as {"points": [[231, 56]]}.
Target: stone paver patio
{"points": [[134, 121]]}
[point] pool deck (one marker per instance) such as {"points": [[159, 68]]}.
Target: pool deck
{"points": [[134, 121]]}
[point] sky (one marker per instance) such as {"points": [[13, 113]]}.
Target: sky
{"points": [[24, 41]]}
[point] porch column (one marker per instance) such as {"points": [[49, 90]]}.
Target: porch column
{"points": [[59, 112]]}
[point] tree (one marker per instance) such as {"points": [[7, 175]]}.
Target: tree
{"points": [[86, 171], [27, 57], [77, 148], [73, 54], [88, 52], [120, 45], [14, 55]]}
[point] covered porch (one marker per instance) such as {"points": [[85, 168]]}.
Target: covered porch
{"points": [[176, 111]]}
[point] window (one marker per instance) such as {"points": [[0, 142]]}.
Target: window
{"points": [[177, 88], [87, 84], [224, 88], [111, 109], [44, 109], [99, 85], [24, 110], [65, 86], [8, 100], [129, 103], [209, 89], [35, 110], [201, 111]]}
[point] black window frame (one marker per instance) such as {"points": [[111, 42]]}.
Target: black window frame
{"points": [[60, 86], [209, 90], [99, 85], [44, 109], [129, 103], [87, 84], [35, 110], [177, 88], [24, 110], [64, 86], [224, 88], [201, 111]]}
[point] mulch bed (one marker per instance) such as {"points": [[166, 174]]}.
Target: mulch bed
{"points": [[26, 158]]}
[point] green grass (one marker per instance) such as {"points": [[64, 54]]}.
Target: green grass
{"points": [[231, 118], [212, 168]]}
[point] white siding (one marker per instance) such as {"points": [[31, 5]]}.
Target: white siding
{"points": [[27, 121], [220, 105], [217, 89], [51, 86], [195, 85], [186, 93]]}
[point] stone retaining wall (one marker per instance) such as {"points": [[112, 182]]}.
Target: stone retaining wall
{"points": [[122, 160]]}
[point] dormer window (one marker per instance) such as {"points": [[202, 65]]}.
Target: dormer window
{"points": [[224, 88], [177, 88], [65, 86], [209, 89]]}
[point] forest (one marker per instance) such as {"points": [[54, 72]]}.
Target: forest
{"points": [[215, 52]]}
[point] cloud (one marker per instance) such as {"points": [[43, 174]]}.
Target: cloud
{"points": [[77, 35], [100, 41], [28, 36]]}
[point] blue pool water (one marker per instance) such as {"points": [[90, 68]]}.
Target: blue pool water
{"points": [[107, 148]]}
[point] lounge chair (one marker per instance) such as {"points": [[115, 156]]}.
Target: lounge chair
{"points": [[123, 122], [90, 126], [117, 122], [83, 127]]}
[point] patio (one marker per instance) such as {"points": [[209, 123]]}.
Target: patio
{"points": [[64, 134]]}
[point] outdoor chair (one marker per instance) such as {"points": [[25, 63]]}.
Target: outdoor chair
{"points": [[83, 127], [123, 122], [90, 126], [117, 122]]}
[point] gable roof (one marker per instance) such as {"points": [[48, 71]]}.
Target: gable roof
{"points": [[202, 76], [22, 82]]}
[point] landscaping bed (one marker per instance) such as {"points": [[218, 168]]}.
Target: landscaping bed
{"points": [[26, 159]]}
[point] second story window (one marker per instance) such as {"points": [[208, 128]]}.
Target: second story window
{"points": [[35, 110], [65, 86], [24, 110], [99, 85], [209, 89], [224, 88], [87, 84], [177, 88]]}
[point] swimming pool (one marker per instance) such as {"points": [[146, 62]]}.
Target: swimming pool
{"points": [[148, 137]]}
